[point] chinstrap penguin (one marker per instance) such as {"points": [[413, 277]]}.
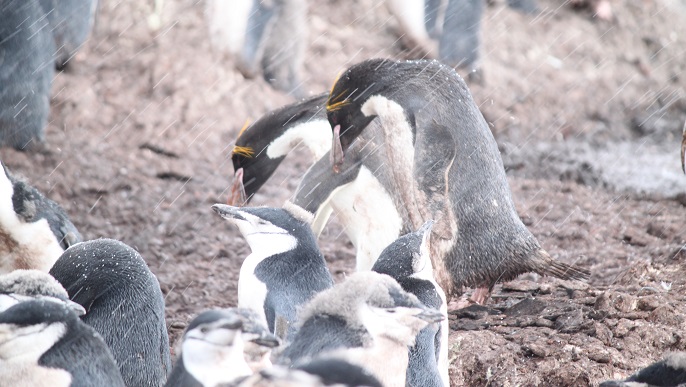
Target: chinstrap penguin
{"points": [[23, 285], [368, 320], [123, 303], [34, 230], [213, 351], [447, 167], [43, 343], [407, 260], [285, 268]]}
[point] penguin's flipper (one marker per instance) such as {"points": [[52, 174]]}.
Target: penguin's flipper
{"points": [[435, 153]]}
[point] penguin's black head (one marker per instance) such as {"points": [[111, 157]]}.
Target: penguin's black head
{"points": [[348, 94], [262, 226], [252, 153], [407, 256]]}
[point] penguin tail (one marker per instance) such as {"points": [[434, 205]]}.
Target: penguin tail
{"points": [[561, 270]]}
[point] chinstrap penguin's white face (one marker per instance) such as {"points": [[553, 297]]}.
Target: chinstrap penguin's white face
{"points": [[28, 343], [264, 237], [213, 352]]}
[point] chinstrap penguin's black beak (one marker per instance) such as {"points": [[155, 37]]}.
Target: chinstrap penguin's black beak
{"points": [[227, 212]]}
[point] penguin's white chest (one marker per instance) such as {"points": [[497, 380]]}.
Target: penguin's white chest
{"points": [[251, 291]]}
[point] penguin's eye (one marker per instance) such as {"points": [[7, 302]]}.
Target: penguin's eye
{"points": [[204, 330]]}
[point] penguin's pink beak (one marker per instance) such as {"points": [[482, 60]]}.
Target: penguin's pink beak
{"points": [[237, 196], [337, 156]]}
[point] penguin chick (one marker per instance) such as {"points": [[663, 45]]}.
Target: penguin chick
{"points": [[261, 147], [213, 348], [368, 320], [39, 339], [317, 373], [22, 285], [407, 260], [123, 303], [670, 371], [34, 230], [446, 166], [285, 269]]}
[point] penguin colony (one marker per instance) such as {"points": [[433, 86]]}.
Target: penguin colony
{"points": [[400, 153]]}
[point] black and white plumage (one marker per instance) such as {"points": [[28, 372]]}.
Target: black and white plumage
{"points": [[407, 260], [261, 147], [43, 343], [23, 285], [356, 196], [446, 166], [123, 303], [215, 348], [34, 230], [670, 371], [285, 268], [368, 320], [266, 37]]}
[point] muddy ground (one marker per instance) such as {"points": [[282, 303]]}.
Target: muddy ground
{"points": [[588, 114]]}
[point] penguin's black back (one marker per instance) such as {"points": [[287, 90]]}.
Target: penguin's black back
{"points": [[292, 277], [319, 334], [123, 302], [492, 242]]}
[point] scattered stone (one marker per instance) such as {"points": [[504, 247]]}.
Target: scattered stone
{"points": [[536, 349], [521, 286]]}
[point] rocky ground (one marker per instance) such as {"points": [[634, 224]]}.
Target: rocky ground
{"points": [[588, 114]]}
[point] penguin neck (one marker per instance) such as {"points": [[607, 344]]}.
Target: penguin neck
{"points": [[211, 364], [315, 135], [34, 341], [264, 245]]}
